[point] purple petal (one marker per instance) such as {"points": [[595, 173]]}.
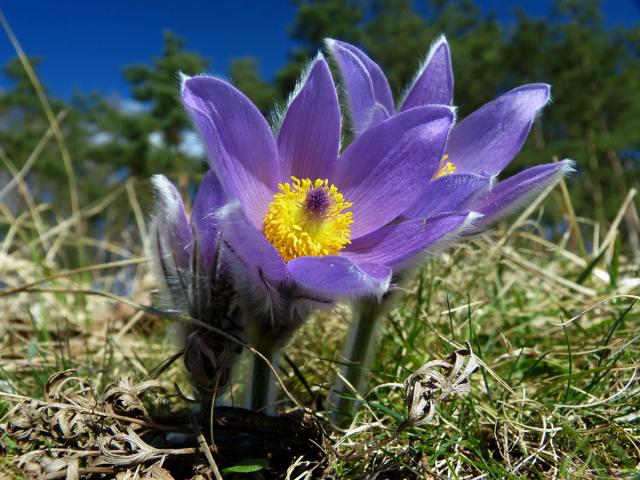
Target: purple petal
{"points": [[241, 146], [336, 277], [517, 191], [368, 90], [448, 194], [395, 244], [385, 170], [205, 224], [174, 234], [488, 139], [433, 84], [309, 138], [253, 259]]}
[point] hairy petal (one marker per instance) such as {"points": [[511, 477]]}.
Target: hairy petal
{"points": [[335, 278], [170, 244], [517, 191], [488, 139], [368, 91], [395, 244], [385, 170], [171, 220], [241, 146], [433, 83], [205, 224], [249, 250], [309, 138], [450, 193]]}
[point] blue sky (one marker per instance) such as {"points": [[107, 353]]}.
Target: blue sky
{"points": [[85, 43]]}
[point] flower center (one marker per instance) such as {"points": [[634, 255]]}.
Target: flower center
{"points": [[445, 168], [306, 218]]}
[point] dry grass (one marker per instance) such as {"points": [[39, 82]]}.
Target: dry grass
{"points": [[554, 331], [558, 393]]}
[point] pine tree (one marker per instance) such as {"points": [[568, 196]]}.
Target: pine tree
{"points": [[246, 77]]}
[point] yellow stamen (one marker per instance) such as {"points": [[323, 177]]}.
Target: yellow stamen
{"points": [[445, 168], [306, 218]]}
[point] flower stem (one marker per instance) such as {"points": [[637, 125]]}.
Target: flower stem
{"points": [[262, 391], [358, 353]]}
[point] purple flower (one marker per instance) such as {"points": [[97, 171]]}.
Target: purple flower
{"points": [[310, 222], [185, 252], [478, 148], [194, 280]]}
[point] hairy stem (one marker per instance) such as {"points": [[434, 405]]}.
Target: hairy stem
{"points": [[262, 391], [358, 353]]}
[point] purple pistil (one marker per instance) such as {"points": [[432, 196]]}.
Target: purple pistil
{"points": [[317, 202]]}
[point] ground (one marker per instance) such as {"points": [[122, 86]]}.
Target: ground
{"points": [[553, 328]]}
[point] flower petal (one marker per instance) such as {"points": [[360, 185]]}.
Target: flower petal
{"points": [[241, 146], [385, 170], [173, 233], [368, 90], [395, 244], [309, 138], [206, 227], [171, 245], [251, 256], [450, 193], [517, 191], [433, 83], [333, 277], [488, 139]]}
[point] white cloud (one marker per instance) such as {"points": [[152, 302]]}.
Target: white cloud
{"points": [[128, 105], [155, 139], [100, 138], [191, 144]]}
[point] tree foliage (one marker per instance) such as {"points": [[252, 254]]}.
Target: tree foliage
{"points": [[245, 75], [594, 69]]}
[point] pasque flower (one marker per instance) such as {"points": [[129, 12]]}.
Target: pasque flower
{"points": [[478, 148], [187, 260], [288, 221], [311, 223], [308, 224]]}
